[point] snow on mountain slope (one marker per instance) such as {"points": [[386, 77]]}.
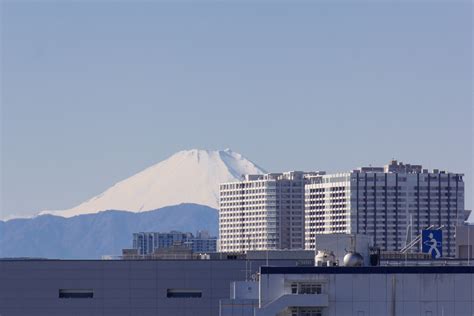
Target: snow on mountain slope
{"points": [[190, 176]]}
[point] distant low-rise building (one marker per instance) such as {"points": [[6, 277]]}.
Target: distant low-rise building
{"points": [[203, 242], [149, 242]]}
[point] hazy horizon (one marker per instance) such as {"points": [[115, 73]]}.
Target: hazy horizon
{"points": [[92, 93]]}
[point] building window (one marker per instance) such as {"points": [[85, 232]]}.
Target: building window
{"points": [[76, 293], [306, 311], [310, 288], [294, 288], [183, 293], [306, 288]]}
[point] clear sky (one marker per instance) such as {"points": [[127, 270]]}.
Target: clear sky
{"points": [[95, 92]]}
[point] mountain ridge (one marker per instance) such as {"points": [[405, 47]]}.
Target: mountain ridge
{"points": [[188, 176], [90, 236]]}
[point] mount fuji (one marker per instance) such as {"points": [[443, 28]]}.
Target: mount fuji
{"points": [[190, 176], [179, 193]]}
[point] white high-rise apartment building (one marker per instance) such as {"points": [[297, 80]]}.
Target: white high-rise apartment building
{"points": [[262, 212], [392, 204]]}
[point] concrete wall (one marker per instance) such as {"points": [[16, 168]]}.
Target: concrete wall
{"points": [[120, 287], [434, 294], [465, 242]]}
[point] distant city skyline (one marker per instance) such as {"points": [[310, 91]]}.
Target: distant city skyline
{"points": [[92, 93]]}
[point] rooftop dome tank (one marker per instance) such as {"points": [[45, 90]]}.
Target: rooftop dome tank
{"points": [[353, 259]]}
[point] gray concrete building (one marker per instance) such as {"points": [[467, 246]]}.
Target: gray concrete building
{"points": [[120, 287], [208, 288], [352, 291]]}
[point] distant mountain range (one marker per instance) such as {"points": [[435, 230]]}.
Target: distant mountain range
{"points": [[92, 235], [179, 193]]}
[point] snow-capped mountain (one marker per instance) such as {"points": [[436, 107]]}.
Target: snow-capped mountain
{"points": [[190, 176]]}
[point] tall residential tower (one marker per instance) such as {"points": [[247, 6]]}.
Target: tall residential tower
{"points": [[392, 204], [263, 212]]}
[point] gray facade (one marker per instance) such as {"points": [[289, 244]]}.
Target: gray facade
{"points": [[395, 291], [349, 291], [465, 241], [120, 287], [200, 287]]}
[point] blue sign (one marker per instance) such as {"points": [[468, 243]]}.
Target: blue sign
{"points": [[432, 243]]}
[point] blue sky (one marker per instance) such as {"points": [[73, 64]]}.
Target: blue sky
{"points": [[95, 92]]}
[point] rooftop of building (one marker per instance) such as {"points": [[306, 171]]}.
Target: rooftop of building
{"points": [[368, 270], [394, 166], [288, 175]]}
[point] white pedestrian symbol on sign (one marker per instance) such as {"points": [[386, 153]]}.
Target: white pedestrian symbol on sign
{"points": [[433, 244]]}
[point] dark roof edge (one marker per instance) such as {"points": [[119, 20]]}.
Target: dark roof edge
{"points": [[367, 270]]}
